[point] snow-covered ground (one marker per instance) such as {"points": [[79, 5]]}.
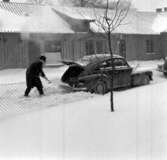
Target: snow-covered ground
{"points": [[78, 125]]}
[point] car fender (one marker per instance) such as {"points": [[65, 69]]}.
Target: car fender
{"points": [[140, 73], [138, 78]]}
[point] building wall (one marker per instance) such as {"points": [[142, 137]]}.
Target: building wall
{"points": [[75, 48], [13, 51], [136, 47], [79, 44], [164, 44], [33, 51]]}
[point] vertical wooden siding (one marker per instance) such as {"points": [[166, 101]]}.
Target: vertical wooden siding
{"points": [[136, 47], [12, 51], [33, 51], [164, 44], [67, 50]]}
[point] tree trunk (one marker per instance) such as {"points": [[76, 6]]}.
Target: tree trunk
{"points": [[112, 73]]}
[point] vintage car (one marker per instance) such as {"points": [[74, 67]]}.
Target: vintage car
{"points": [[95, 76]]}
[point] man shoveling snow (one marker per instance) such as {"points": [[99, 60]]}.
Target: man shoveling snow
{"points": [[33, 73]]}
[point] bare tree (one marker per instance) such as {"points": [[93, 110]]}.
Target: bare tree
{"points": [[108, 22]]}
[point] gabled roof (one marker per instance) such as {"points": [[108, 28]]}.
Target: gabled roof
{"points": [[10, 22], [24, 17], [78, 13], [135, 23], [19, 9]]}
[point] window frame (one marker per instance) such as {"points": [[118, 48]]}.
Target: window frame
{"points": [[149, 46], [57, 46]]}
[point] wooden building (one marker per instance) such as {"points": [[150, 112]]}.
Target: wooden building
{"points": [[27, 31], [137, 40]]}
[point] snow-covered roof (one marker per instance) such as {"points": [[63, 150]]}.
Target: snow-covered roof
{"points": [[18, 8], [23, 17], [43, 19], [136, 22], [9, 22], [78, 13]]}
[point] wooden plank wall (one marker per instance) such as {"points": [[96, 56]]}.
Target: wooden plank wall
{"points": [[164, 44], [73, 46], [136, 47], [66, 50], [13, 51], [34, 50]]}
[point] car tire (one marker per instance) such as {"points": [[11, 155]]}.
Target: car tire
{"points": [[100, 87]]}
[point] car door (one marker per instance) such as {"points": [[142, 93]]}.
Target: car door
{"points": [[122, 73]]}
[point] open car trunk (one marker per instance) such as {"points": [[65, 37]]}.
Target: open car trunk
{"points": [[72, 72]]}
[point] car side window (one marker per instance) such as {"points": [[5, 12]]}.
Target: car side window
{"points": [[118, 62], [103, 64]]}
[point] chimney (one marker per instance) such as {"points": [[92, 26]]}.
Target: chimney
{"points": [[6, 0], [158, 10]]}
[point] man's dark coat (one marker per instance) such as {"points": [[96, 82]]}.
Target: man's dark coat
{"points": [[33, 73]]}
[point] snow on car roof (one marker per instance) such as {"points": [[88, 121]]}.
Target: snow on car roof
{"points": [[101, 56], [98, 57], [93, 61]]}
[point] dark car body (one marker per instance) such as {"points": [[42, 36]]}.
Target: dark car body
{"points": [[96, 75]]}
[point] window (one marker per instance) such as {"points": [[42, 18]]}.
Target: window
{"points": [[122, 48], [53, 46], [89, 47], [93, 46], [149, 46], [99, 47], [119, 62]]}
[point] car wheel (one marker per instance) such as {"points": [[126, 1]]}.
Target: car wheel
{"points": [[100, 87], [146, 80]]}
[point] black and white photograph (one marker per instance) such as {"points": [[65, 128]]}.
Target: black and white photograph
{"points": [[83, 79]]}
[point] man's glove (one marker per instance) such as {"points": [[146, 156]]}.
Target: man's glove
{"points": [[47, 80]]}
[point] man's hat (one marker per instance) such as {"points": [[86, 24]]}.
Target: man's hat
{"points": [[43, 58]]}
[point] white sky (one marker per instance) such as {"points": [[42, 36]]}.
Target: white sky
{"points": [[149, 5]]}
